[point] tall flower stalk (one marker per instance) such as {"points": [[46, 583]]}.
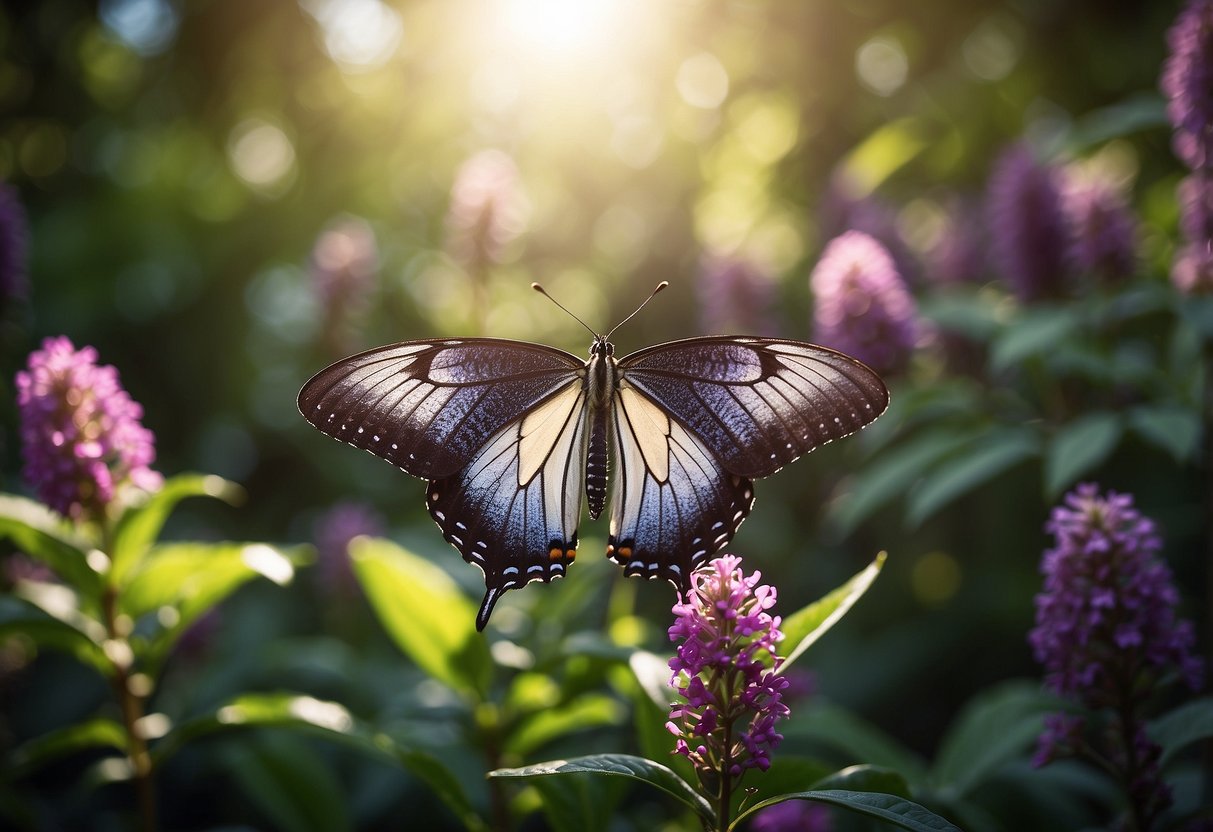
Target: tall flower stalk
{"points": [[726, 674], [1108, 637], [85, 450]]}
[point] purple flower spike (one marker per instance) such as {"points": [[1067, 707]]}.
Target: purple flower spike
{"points": [[736, 295], [725, 672], [793, 816], [959, 254], [1026, 223], [1187, 82], [82, 440], [488, 209], [1107, 635], [14, 248], [1103, 232], [334, 531], [862, 306]]}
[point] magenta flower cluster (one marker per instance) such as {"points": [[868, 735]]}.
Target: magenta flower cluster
{"points": [[81, 435], [861, 304], [1102, 230], [726, 673]]}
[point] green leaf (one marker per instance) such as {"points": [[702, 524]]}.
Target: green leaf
{"points": [[1174, 429], [586, 711], [425, 613], [62, 742], [136, 531], [890, 808], [652, 697], [327, 720], [892, 473], [787, 774], [991, 454], [993, 729], [865, 778], [971, 314], [803, 627], [1189, 723], [181, 581], [75, 635], [287, 780], [579, 804], [1037, 330], [857, 739], [1140, 111], [45, 536], [1078, 447], [620, 765]]}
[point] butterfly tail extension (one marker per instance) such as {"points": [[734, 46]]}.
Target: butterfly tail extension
{"points": [[491, 595]]}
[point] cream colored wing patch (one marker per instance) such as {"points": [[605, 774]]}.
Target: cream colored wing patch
{"points": [[650, 429], [541, 430]]}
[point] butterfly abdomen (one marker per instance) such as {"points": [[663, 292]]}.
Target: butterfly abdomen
{"points": [[596, 466]]}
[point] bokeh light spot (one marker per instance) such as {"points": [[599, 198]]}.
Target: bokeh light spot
{"points": [[882, 65], [358, 34], [935, 578], [555, 25], [703, 81], [991, 51], [146, 26], [261, 154]]}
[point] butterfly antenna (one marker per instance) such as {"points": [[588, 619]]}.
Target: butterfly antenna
{"points": [[660, 286], [544, 292]]}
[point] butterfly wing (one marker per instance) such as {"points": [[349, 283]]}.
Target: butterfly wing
{"points": [[499, 429], [758, 403], [673, 503], [514, 510], [428, 407], [697, 420]]}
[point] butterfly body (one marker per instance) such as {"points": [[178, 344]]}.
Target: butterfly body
{"points": [[512, 436]]}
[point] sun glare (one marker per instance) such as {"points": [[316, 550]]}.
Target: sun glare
{"points": [[557, 25]]}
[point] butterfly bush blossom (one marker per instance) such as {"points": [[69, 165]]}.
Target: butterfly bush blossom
{"points": [[958, 254], [1103, 232], [82, 440], [345, 260], [736, 295], [488, 209], [1186, 82], [862, 306], [726, 675], [792, 816], [1027, 224], [1106, 633]]}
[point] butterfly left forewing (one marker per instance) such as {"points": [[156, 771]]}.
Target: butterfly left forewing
{"points": [[514, 509], [673, 504]]}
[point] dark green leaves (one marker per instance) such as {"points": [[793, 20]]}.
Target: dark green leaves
{"points": [[802, 628]]}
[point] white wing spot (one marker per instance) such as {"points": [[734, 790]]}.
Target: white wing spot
{"points": [[837, 421], [375, 437], [459, 525], [821, 426], [456, 540], [482, 544], [438, 514], [536, 568], [717, 525], [510, 570], [789, 446], [360, 430]]}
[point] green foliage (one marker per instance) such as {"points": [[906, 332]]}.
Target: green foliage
{"points": [[801, 629]]}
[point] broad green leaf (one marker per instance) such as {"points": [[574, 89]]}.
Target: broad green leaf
{"points": [[327, 720], [1173, 428], [579, 804], [787, 774], [52, 633], [971, 314], [619, 765], [890, 808], [865, 778], [1078, 447], [45, 536], [138, 528], [62, 742], [994, 728], [1138, 112], [587, 711], [893, 472], [1189, 723], [425, 613], [857, 739], [287, 780], [885, 151], [1037, 330], [991, 454], [803, 627], [181, 581]]}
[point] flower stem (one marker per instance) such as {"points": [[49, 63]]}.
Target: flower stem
{"points": [[131, 705]]}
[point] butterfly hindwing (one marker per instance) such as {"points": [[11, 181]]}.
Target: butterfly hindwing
{"points": [[514, 509], [674, 505], [757, 403], [429, 406]]}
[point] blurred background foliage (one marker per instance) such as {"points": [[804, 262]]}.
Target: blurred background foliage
{"points": [[224, 197]]}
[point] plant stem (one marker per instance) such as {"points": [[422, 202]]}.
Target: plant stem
{"points": [[488, 719], [131, 706]]}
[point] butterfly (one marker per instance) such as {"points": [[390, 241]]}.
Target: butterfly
{"points": [[512, 435]]}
